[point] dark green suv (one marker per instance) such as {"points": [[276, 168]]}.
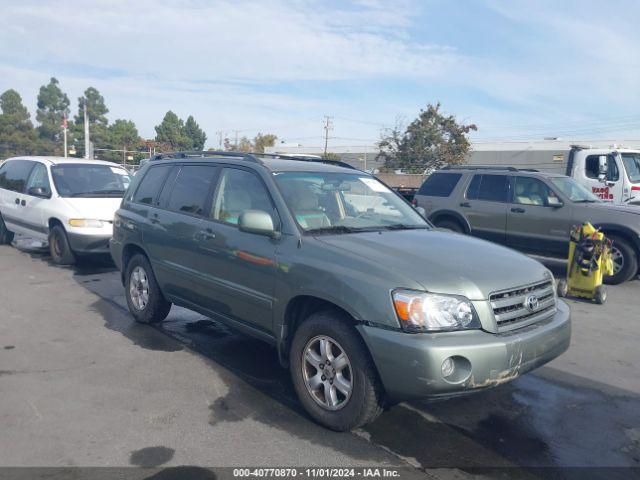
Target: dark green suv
{"points": [[366, 303]]}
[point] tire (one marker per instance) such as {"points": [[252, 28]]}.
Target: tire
{"points": [[144, 298], [562, 288], [59, 248], [452, 225], [625, 261], [601, 294], [6, 237], [364, 402]]}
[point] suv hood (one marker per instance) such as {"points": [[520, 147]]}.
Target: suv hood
{"points": [[444, 262], [94, 208]]}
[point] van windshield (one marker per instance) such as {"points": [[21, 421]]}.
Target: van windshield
{"points": [[572, 189], [632, 166], [83, 180], [330, 202]]}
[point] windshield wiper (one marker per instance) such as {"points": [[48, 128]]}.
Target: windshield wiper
{"points": [[334, 229], [586, 200], [98, 192], [404, 226]]}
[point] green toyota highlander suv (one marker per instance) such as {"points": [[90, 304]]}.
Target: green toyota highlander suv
{"points": [[366, 303]]}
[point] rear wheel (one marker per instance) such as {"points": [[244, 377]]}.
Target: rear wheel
{"points": [[6, 237], [59, 247], [625, 261], [144, 298], [333, 373], [450, 224]]}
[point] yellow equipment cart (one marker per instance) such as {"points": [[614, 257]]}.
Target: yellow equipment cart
{"points": [[589, 261]]}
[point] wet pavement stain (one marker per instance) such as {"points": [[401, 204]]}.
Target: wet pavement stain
{"points": [[151, 456]]}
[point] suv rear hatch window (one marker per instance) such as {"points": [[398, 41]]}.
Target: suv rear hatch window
{"points": [[439, 184]]}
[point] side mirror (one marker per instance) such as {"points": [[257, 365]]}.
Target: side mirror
{"points": [[554, 202], [422, 212], [38, 192], [258, 222], [602, 167]]}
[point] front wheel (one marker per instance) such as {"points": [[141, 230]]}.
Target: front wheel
{"points": [[6, 237], [625, 261], [144, 298], [59, 247], [333, 373]]}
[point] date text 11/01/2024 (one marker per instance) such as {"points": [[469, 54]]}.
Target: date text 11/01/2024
{"points": [[368, 472]]}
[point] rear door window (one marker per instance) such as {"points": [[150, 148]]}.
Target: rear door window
{"points": [[14, 175], [490, 188], [191, 189], [439, 184], [149, 188]]}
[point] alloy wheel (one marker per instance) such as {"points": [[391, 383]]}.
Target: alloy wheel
{"points": [[139, 288], [327, 372]]}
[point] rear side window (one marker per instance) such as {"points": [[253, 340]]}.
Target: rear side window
{"points": [[150, 186], [439, 184], [13, 175], [191, 189], [491, 188]]}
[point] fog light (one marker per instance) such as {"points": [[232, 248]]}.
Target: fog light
{"points": [[448, 367]]}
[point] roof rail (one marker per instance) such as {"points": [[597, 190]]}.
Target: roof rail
{"points": [[252, 157], [479, 167]]}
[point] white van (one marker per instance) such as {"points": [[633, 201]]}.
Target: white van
{"points": [[68, 204]]}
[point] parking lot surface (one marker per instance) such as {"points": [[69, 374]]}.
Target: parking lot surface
{"points": [[81, 384]]}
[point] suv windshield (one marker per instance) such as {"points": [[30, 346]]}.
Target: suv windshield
{"points": [[82, 180], [344, 203], [576, 192], [632, 166]]}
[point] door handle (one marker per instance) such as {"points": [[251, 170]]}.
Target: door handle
{"points": [[518, 210], [154, 219], [465, 204], [206, 235], [23, 203]]}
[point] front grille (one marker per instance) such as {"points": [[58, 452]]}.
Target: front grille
{"points": [[509, 307]]}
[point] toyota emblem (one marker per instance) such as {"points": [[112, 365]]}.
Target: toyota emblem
{"points": [[532, 303]]}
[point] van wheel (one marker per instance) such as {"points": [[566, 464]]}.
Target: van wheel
{"points": [[333, 373], [6, 237], [59, 247], [452, 225], [144, 298], [625, 261]]}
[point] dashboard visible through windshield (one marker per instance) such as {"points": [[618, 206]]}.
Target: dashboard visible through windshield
{"points": [[344, 202]]}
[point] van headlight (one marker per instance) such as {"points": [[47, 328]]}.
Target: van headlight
{"points": [[86, 223], [431, 312]]}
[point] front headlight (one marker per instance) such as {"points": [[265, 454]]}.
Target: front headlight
{"points": [[85, 223], [430, 312]]}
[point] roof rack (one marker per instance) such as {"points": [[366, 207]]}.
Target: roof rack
{"points": [[478, 167], [252, 157]]}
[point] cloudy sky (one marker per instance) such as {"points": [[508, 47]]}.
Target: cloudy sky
{"points": [[519, 69]]}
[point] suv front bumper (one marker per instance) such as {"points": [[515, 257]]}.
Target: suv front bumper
{"points": [[410, 364]]}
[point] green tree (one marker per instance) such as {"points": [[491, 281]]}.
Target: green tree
{"points": [[171, 131], [260, 142], [17, 135], [244, 145], [53, 106], [429, 142], [332, 156], [193, 131], [96, 114], [123, 133]]}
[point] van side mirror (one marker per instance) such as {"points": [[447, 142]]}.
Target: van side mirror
{"points": [[258, 222], [421, 211], [38, 192]]}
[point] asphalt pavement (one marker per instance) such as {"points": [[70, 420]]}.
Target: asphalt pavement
{"points": [[81, 384]]}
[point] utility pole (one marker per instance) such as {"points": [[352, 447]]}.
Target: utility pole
{"points": [[87, 142], [328, 125], [64, 133], [220, 134], [236, 134]]}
